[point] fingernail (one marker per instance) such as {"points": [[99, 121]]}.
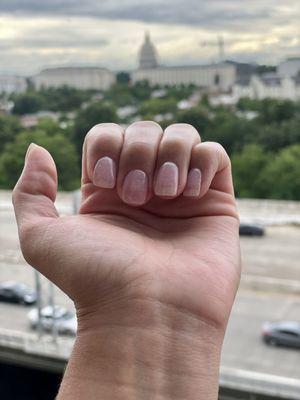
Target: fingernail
{"points": [[135, 188], [167, 180], [193, 184], [105, 173], [29, 149]]}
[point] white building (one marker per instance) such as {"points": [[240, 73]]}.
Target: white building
{"points": [[289, 68], [268, 86], [78, 77], [215, 76], [12, 84]]}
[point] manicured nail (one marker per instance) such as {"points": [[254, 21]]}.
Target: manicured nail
{"points": [[193, 183], [135, 188], [167, 180], [105, 173]]}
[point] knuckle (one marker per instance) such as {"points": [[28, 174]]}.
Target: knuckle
{"points": [[183, 129], [172, 146], [147, 125], [108, 130], [139, 153], [28, 235]]}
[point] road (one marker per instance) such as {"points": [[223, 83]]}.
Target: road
{"points": [[276, 255]]}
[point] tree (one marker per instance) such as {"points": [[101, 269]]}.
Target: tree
{"points": [[123, 77], [275, 137], [63, 152], [153, 107], [282, 174], [231, 131], [276, 111], [247, 168], [90, 116], [9, 127], [64, 98], [28, 103], [198, 117]]}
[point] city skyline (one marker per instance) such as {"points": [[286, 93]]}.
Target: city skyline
{"points": [[35, 35]]}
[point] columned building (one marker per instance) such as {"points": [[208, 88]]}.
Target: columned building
{"points": [[12, 84], [78, 77], [220, 76]]}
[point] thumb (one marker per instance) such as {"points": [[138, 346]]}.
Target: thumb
{"points": [[34, 194]]}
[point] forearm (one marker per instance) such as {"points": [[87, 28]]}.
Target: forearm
{"points": [[154, 351]]}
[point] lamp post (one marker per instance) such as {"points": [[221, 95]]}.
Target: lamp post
{"points": [[38, 290], [52, 305]]}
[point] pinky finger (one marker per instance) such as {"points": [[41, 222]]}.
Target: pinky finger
{"points": [[210, 168]]}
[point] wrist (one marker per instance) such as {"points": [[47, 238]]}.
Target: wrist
{"points": [[149, 350]]}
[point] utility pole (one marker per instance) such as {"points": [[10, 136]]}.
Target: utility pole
{"points": [[38, 290], [52, 305]]}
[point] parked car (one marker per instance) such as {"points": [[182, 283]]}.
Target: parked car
{"points": [[284, 333], [251, 230], [66, 321], [15, 292]]}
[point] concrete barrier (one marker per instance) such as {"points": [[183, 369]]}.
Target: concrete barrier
{"points": [[261, 384]]}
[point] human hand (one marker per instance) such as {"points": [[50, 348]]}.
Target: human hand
{"points": [[151, 252]]}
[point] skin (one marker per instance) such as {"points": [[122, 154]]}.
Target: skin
{"points": [[153, 284]]}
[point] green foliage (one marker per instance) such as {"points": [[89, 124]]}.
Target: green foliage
{"points": [[62, 99], [264, 148], [63, 152], [247, 167], [199, 117], [94, 114], [274, 137], [120, 95], [123, 77], [28, 103], [153, 107], [281, 177], [141, 91], [274, 111], [9, 127], [231, 131]]}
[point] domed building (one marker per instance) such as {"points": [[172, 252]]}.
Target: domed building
{"points": [[216, 77], [148, 55]]}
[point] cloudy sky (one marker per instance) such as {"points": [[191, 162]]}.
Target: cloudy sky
{"points": [[38, 33]]}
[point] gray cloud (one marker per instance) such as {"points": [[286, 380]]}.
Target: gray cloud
{"points": [[109, 32], [208, 14]]}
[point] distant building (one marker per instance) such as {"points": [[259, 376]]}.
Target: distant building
{"points": [[77, 77], [269, 86], [219, 76], [289, 68], [12, 84], [148, 55]]}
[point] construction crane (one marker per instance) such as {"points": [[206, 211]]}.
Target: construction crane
{"points": [[219, 44]]}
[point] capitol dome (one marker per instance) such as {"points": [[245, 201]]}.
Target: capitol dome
{"points": [[148, 55]]}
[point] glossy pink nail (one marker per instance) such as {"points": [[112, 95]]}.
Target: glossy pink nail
{"points": [[193, 184], [105, 173], [135, 188], [167, 180]]}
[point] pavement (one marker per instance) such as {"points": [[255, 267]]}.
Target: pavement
{"points": [[274, 257]]}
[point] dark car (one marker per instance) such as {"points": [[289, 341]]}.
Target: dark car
{"points": [[15, 292], [284, 333], [251, 230]]}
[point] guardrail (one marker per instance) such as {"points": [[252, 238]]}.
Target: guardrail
{"points": [[230, 378], [260, 384], [30, 343]]}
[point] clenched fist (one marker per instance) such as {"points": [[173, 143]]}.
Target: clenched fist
{"points": [[151, 261]]}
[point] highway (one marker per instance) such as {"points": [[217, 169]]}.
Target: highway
{"points": [[277, 255]]}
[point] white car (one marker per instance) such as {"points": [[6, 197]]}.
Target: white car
{"points": [[65, 320]]}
